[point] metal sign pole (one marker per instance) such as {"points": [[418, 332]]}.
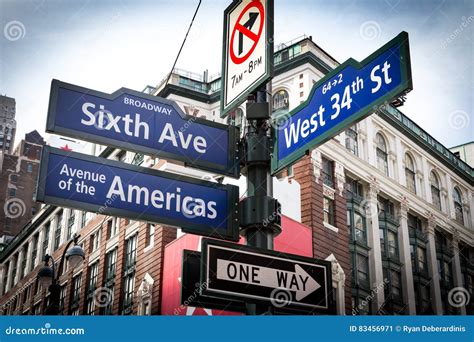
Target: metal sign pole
{"points": [[260, 221]]}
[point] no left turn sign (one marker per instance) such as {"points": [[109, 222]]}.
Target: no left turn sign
{"points": [[248, 49], [245, 27]]}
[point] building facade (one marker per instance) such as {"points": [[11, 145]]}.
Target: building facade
{"points": [[7, 123], [18, 178], [384, 200]]}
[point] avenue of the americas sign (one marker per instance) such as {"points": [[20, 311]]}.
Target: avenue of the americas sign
{"points": [[110, 187], [143, 123]]}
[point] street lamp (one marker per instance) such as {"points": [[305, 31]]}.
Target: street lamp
{"points": [[49, 276]]}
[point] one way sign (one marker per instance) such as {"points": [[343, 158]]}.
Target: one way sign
{"points": [[232, 271]]}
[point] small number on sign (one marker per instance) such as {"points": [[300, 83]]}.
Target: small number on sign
{"points": [[330, 84]]}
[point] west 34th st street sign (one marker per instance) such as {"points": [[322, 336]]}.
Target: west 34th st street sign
{"points": [[110, 187], [232, 271], [143, 123], [346, 95]]}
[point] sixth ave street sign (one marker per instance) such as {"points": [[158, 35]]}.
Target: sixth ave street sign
{"points": [[346, 95], [232, 271], [143, 123]]}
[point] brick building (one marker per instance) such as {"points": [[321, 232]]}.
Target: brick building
{"points": [[18, 177], [7, 123], [386, 202]]}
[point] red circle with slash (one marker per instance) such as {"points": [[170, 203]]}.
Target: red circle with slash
{"points": [[255, 37]]}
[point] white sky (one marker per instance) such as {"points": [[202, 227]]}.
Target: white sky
{"points": [[105, 45]]}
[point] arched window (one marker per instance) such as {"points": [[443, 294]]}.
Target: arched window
{"points": [[435, 190], [458, 206], [236, 117], [381, 151], [410, 173], [281, 100]]}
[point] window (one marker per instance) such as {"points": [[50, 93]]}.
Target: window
{"points": [[76, 293], [381, 152], [359, 229], [94, 241], [91, 286], [110, 265], [13, 266], [112, 227], [363, 270], [129, 274], [410, 173], [109, 305], [150, 234], [24, 258], [26, 149], [131, 252], [328, 210], [62, 298], [83, 219], [351, 140], [70, 224], [34, 251], [11, 192], [458, 206], [280, 100], [396, 289], [57, 232], [392, 244], [417, 245], [29, 168], [128, 288], [14, 178], [435, 190], [46, 239], [236, 117], [327, 172]]}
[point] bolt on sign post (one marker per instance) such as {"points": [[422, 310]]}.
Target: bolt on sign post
{"points": [[346, 95], [143, 123], [247, 51], [110, 187]]}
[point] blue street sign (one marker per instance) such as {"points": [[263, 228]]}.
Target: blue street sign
{"points": [[113, 188], [145, 124], [346, 95]]}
